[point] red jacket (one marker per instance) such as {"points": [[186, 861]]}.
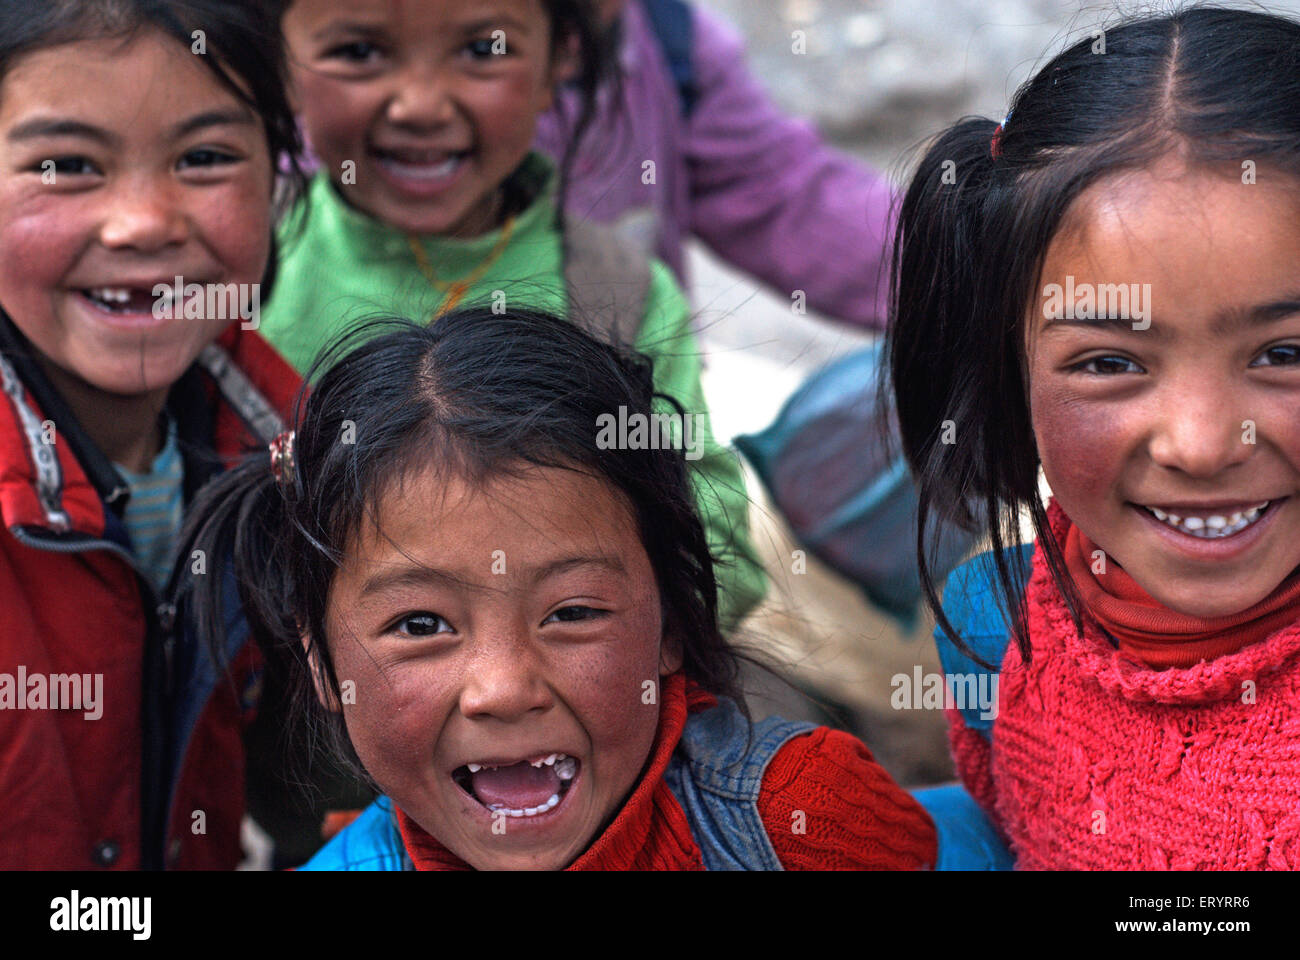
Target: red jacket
{"points": [[157, 778]]}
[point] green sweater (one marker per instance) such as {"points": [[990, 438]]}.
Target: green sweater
{"points": [[343, 268]]}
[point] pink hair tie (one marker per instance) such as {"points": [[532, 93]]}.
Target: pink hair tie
{"points": [[995, 145], [282, 463]]}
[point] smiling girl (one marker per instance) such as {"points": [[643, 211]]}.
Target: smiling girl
{"points": [[127, 159], [515, 627], [429, 195], [1147, 715]]}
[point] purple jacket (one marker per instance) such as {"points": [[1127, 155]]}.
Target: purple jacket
{"points": [[758, 187]]}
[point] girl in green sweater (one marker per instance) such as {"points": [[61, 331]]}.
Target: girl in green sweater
{"points": [[428, 197]]}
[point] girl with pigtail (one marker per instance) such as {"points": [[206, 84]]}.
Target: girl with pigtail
{"points": [[1146, 645], [513, 627]]}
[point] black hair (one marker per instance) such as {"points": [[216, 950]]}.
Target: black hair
{"points": [[483, 395], [576, 24], [242, 47], [1219, 86]]}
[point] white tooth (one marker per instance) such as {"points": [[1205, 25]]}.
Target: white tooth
{"points": [[536, 763], [566, 768], [555, 798], [550, 761], [1193, 523], [1175, 519], [1160, 514], [1234, 519], [474, 767], [514, 813], [530, 811], [1216, 522]]}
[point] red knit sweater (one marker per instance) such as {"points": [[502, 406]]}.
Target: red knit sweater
{"points": [[854, 815], [1099, 762]]}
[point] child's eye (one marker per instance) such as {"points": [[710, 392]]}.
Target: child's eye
{"points": [[1107, 366], [483, 48], [574, 614], [67, 166], [1283, 355], [422, 625], [359, 51], [207, 157]]}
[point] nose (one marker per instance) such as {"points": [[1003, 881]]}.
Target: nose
{"points": [[504, 679], [143, 214], [422, 100], [1197, 432]]}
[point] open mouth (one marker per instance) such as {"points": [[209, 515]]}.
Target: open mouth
{"points": [[123, 300], [1211, 524], [527, 788], [423, 165]]}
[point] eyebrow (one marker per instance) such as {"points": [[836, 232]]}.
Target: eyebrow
{"points": [[1118, 324], [418, 575], [1259, 315], [235, 116], [41, 127], [350, 28], [380, 31], [1231, 321], [503, 20]]}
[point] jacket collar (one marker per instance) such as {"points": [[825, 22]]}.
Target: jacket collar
{"points": [[59, 480]]}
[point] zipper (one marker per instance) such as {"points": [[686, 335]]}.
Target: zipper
{"points": [[74, 546]]}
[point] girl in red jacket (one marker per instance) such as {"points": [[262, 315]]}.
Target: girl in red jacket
{"points": [[1105, 286], [138, 147], [484, 556]]}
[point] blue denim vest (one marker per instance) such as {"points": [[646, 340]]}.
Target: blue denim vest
{"points": [[716, 773]]}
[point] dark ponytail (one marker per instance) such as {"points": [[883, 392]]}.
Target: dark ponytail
{"points": [[1221, 86]]}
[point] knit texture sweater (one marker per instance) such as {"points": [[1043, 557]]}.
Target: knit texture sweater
{"points": [[339, 267], [853, 814], [1097, 761]]}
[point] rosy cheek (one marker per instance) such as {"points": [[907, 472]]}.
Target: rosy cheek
{"points": [[236, 225], [39, 241], [338, 117], [1081, 444], [619, 686], [393, 721]]}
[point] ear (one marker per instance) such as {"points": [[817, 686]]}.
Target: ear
{"points": [[566, 64], [670, 655], [324, 695]]}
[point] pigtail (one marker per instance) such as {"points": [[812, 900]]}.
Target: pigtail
{"points": [[943, 364], [238, 524], [243, 524]]}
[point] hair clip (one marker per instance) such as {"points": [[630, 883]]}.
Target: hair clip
{"points": [[282, 464], [995, 145]]}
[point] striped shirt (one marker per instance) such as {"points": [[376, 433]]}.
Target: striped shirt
{"points": [[153, 514]]}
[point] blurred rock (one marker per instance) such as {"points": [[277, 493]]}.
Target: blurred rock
{"points": [[882, 74]]}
